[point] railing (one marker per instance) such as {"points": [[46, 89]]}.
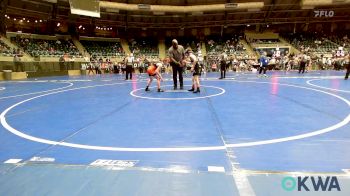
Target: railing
{"points": [[37, 66]]}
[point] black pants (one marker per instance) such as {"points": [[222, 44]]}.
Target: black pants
{"points": [[19, 67], [71, 65], [223, 71], [177, 70], [128, 71], [62, 67], [262, 68], [302, 67], [98, 71], [347, 71]]}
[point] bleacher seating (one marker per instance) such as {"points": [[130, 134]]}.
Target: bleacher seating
{"points": [[190, 42], [263, 41], [46, 48], [341, 40], [231, 46], [144, 47], [103, 48], [5, 50], [312, 43]]}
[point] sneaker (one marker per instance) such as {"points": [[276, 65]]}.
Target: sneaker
{"points": [[181, 88], [147, 89], [197, 91], [191, 89], [160, 90]]}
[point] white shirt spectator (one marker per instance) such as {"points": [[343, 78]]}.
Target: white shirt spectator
{"points": [[130, 60]]}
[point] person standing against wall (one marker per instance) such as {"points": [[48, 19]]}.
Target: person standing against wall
{"points": [[129, 62], [302, 63], [222, 66], [17, 62]]}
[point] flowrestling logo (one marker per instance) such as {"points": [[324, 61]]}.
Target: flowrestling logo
{"points": [[310, 183]]}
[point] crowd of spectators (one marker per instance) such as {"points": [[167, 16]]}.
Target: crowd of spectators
{"points": [[186, 42], [342, 40], [46, 48], [263, 41], [313, 47], [314, 43], [230, 46], [5, 50], [144, 47], [103, 48]]}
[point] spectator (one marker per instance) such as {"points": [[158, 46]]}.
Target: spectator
{"points": [[129, 61], [61, 63], [17, 62]]}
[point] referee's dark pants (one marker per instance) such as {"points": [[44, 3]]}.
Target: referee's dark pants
{"points": [[177, 70], [223, 71], [128, 72], [347, 71], [302, 67]]}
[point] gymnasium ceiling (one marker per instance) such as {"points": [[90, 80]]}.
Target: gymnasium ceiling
{"points": [[273, 12]]}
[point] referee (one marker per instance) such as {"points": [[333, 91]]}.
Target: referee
{"points": [[177, 54]]}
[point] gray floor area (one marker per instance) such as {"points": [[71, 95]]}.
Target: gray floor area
{"points": [[47, 179], [55, 179]]}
